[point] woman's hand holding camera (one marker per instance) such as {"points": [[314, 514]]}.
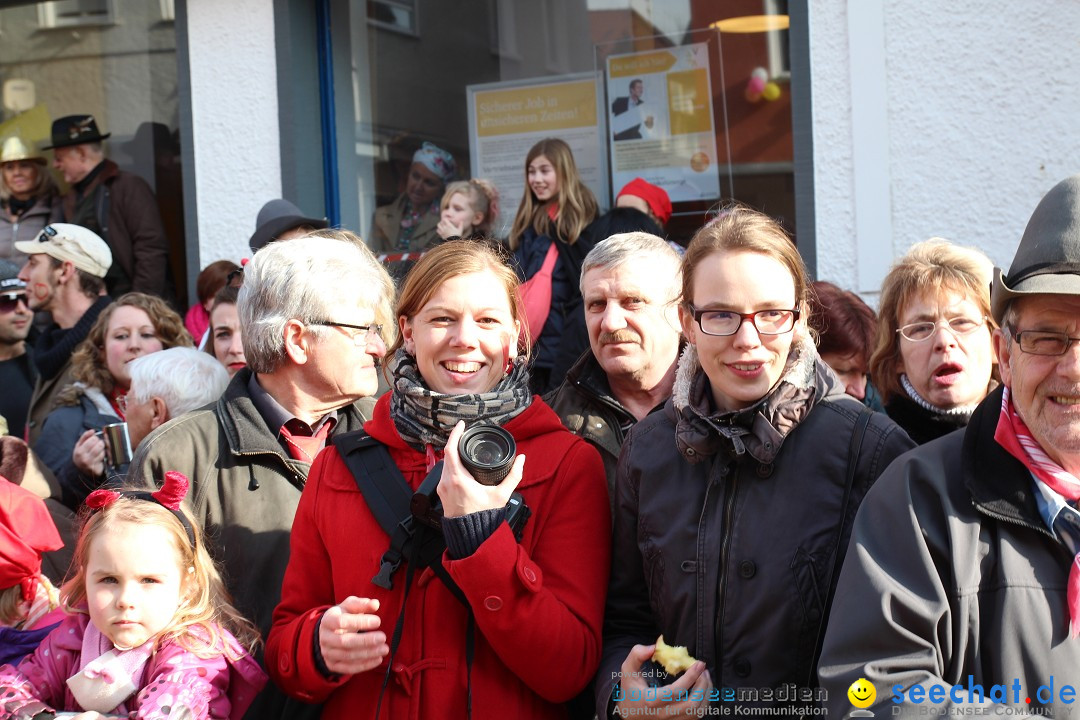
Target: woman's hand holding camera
{"points": [[89, 454], [349, 636], [697, 678], [459, 491]]}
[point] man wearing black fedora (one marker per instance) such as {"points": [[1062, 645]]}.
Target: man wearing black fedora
{"points": [[117, 205], [962, 586]]}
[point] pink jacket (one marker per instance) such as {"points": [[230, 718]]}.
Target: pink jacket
{"points": [[213, 687]]}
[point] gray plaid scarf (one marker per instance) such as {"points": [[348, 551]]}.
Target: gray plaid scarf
{"points": [[425, 417]]}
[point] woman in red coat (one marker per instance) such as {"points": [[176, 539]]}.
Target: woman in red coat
{"points": [[534, 607]]}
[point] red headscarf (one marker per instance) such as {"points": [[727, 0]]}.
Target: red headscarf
{"points": [[654, 196], [26, 531]]}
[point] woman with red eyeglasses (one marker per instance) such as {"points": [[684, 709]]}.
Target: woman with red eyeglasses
{"points": [[734, 504], [17, 372]]}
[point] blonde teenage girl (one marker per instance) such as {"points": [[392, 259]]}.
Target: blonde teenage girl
{"points": [[549, 242]]}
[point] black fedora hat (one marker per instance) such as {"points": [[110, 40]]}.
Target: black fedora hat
{"points": [[75, 130], [1048, 258], [278, 217]]}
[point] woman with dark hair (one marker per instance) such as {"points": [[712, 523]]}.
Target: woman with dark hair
{"points": [[734, 504], [225, 342], [135, 325], [844, 327], [503, 622], [212, 278]]}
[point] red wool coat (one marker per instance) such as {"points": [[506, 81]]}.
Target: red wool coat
{"points": [[538, 604]]}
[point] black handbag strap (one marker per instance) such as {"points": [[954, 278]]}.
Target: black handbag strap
{"points": [[387, 495]]}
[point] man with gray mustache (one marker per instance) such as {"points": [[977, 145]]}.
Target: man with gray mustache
{"points": [[630, 283]]}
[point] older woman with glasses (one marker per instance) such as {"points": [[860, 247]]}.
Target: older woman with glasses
{"points": [[933, 361], [734, 504]]}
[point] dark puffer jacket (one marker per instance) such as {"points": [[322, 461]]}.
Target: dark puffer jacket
{"points": [[564, 336], [728, 524]]}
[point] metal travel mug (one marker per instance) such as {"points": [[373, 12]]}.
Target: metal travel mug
{"points": [[117, 445]]}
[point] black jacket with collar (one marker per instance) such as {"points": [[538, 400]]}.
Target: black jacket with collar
{"points": [[956, 576], [728, 524]]}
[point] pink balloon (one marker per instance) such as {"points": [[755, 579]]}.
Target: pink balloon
{"points": [[756, 84]]}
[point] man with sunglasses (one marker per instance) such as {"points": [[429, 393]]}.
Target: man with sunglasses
{"points": [[17, 373], [962, 587], [64, 275]]}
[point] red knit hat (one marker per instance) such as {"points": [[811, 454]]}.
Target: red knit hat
{"points": [[656, 197], [26, 531]]}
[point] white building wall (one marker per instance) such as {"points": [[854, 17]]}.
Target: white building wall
{"points": [[981, 102], [234, 121]]}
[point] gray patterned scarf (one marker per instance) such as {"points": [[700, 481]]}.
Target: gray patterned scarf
{"points": [[425, 417]]}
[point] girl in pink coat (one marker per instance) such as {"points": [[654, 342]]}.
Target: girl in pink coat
{"points": [[151, 632]]}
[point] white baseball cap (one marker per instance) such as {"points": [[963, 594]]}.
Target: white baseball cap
{"points": [[80, 246]]}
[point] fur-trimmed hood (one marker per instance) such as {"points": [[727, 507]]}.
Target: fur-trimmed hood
{"points": [[701, 430]]}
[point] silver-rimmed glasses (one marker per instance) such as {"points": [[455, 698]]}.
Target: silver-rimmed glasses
{"points": [[919, 331], [361, 339]]}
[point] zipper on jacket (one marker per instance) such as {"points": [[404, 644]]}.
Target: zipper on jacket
{"points": [[725, 547]]}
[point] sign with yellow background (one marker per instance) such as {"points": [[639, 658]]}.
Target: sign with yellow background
{"points": [[507, 119], [547, 109], [661, 121]]}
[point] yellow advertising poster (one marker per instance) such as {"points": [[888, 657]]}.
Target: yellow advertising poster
{"points": [[548, 109], [506, 119], [661, 121]]}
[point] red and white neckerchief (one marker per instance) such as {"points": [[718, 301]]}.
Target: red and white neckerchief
{"points": [[1013, 435]]}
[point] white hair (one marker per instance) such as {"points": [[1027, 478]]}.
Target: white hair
{"points": [[624, 247], [308, 279], [184, 378]]}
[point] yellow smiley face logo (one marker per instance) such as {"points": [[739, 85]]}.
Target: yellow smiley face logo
{"points": [[861, 693]]}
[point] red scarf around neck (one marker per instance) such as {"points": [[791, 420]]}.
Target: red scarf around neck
{"points": [[1013, 435]]}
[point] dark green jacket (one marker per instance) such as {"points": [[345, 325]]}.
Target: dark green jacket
{"points": [[244, 491]]}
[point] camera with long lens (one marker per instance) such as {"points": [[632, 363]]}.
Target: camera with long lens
{"points": [[487, 452]]}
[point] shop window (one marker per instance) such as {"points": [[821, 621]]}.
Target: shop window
{"points": [[75, 13], [397, 15], [502, 30], [564, 68], [121, 68]]}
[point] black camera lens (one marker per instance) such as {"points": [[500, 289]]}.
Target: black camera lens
{"points": [[487, 452]]}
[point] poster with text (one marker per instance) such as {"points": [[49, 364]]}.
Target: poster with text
{"points": [[660, 121], [507, 119]]}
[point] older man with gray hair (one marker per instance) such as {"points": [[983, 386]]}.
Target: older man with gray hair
{"points": [[961, 590], [167, 384], [315, 316], [630, 284]]}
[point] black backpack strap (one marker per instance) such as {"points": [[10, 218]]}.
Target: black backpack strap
{"points": [[386, 493]]}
